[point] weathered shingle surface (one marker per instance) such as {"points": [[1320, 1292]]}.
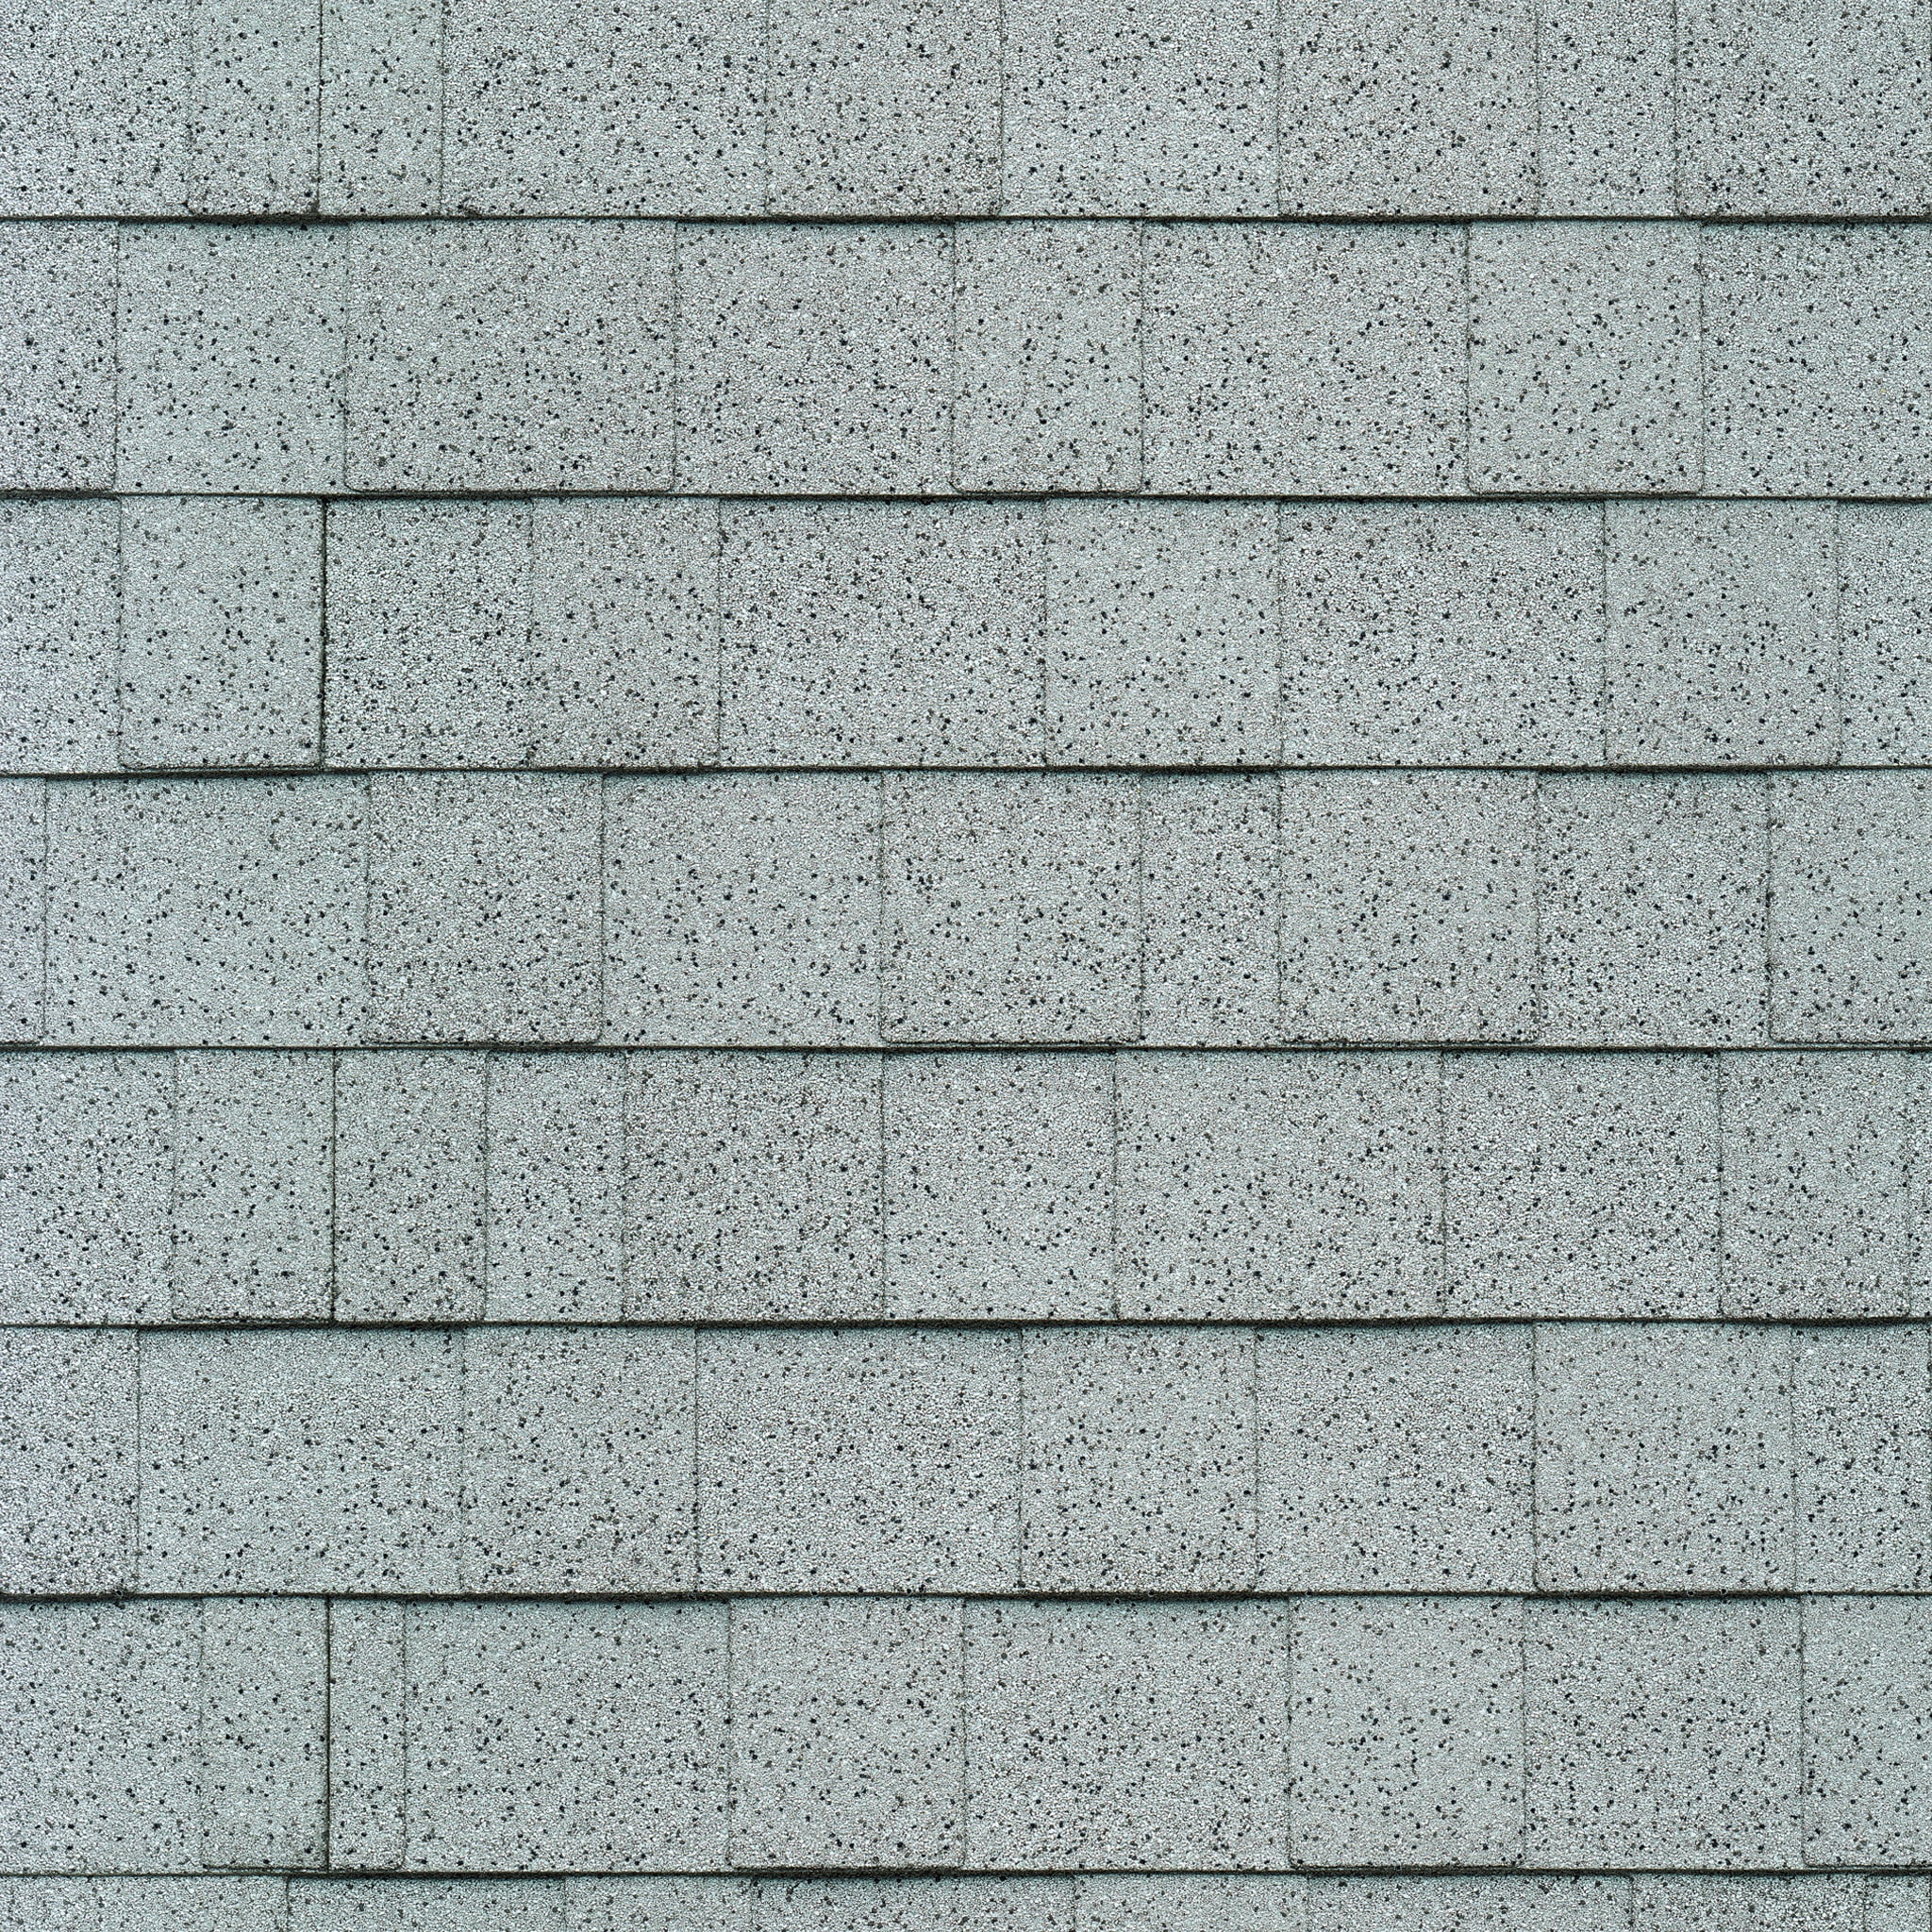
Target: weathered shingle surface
{"points": [[965, 968]]}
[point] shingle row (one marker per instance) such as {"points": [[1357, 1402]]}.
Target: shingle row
{"points": [[679, 1186], [914, 359], [800, 910], [1580, 1459], [1675, 1902], [185, 633], [919, 1733], [1043, 106]]}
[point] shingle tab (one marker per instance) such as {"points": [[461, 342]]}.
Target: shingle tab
{"points": [[252, 118], [24, 867], [1606, 106], [57, 354], [1884, 613], [858, 1460], [59, 634], [381, 110]]}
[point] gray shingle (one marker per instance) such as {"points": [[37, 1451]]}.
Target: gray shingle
{"points": [[102, 1703], [1469, 1905], [1817, 1193], [1140, 1470], [639, 1785], [1279, 1184], [1407, 1731], [1130, 109], [94, 99], [1803, 107], [368, 1773], [1861, 1402], [1163, 628], [1296, 359], [24, 870], [1126, 1735], [1442, 634], [265, 1723], [382, 108], [999, 1186], [659, 1905], [1885, 617], [577, 1453], [1210, 911], [858, 1460], [882, 633], [847, 1733], [1607, 103], [1652, 912], [156, 1905], [554, 1178], [410, 1209], [1816, 372], [460, 1905], [254, 1186], [58, 355], [754, 1187], [1408, 906], [1395, 1458], [1850, 906], [1897, 1905], [510, 356], [485, 914], [1664, 1458], [1868, 1735], [1389, 109], [221, 632], [814, 359], [742, 911], [1723, 645], [253, 117], [1684, 1902], [87, 1151], [1048, 386], [429, 621], [904, 1905], [68, 1461], [60, 629], [881, 107], [300, 1460], [232, 344], [1583, 372], [206, 912], [1581, 1184], [1662, 1734], [607, 108], [1010, 908], [1194, 1902]]}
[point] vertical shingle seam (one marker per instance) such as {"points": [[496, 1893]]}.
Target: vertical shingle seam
{"points": [[439, 197]]}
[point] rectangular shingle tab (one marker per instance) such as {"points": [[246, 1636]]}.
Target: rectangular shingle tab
{"points": [[57, 354], [815, 358], [510, 355], [1442, 634], [1454, 1904], [858, 1460], [381, 106], [753, 1187], [847, 1730], [446, 1905], [232, 350], [577, 1446], [1607, 102], [999, 1186], [301, 1461], [1161, 624], [1126, 1735], [68, 1461], [1285, 1184], [254, 1185], [1389, 110], [1395, 1458], [253, 121], [1140, 1470], [24, 908], [1701, 1901], [742, 911], [60, 635], [1583, 371], [1662, 1734], [206, 911], [1407, 1731], [1664, 1458], [1885, 616], [1133, 109], [1295, 360], [882, 633]]}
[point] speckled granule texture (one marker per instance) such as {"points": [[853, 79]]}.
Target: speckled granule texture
{"points": [[965, 967]]}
